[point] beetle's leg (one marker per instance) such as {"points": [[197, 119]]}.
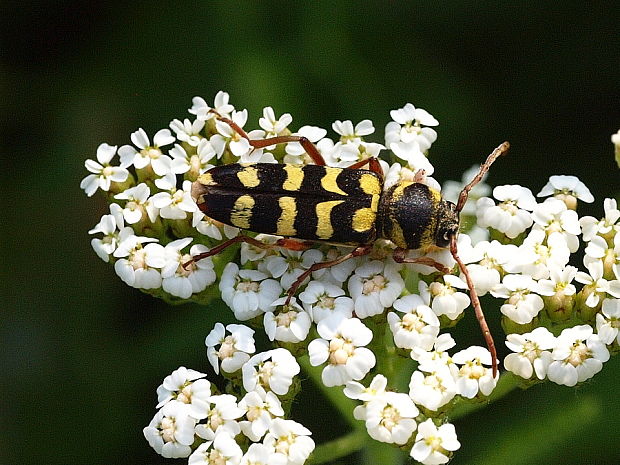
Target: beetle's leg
{"points": [[373, 165], [356, 252], [286, 243], [488, 337], [308, 146], [399, 256], [228, 243]]}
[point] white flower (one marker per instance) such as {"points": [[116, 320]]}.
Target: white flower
{"points": [[391, 418], [233, 350], [290, 324], [188, 131], [522, 304], [374, 287], [608, 322], [511, 216], [272, 371], [445, 299], [103, 174], [209, 227], [260, 454], [183, 282], [427, 360], [237, 144], [492, 259], [220, 417], [148, 154], [290, 264], [577, 356], [561, 187], [342, 346], [138, 204], [197, 163], [434, 445], [559, 282], [354, 390], [473, 376], [260, 409], [171, 431], [591, 226], [113, 230], [179, 385], [432, 389], [539, 253], [597, 283], [322, 299], [248, 292], [295, 153], [200, 108], [397, 173], [405, 136], [290, 440], [222, 450], [554, 216], [339, 273], [271, 125], [418, 327], [139, 266], [599, 249], [531, 353], [174, 204]]}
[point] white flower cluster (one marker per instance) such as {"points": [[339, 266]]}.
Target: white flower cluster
{"points": [[197, 422], [518, 252]]}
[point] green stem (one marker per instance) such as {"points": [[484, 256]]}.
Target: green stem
{"points": [[338, 448]]}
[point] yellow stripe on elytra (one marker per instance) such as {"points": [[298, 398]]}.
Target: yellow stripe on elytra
{"points": [[324, 228], [363, 219], [206, 179], [370, 184], [328, 181], [248, 176], [294, 177], [286, 222], [242, 211]]}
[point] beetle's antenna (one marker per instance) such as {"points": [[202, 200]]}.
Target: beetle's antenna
{"points": [[495, 154], [488, 337]]}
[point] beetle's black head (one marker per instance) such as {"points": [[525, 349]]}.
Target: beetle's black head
{"points": [[447, 223]]}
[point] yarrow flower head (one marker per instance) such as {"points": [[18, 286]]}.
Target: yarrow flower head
{"points": [[364, 316]]}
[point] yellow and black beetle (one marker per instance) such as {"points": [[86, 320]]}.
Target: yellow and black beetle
{"points": [[345, 206]]}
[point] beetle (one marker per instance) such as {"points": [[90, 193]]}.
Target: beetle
{"points": [[345, 206]]}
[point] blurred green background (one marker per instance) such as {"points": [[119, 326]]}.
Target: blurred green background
{"points": [[82, 353]]}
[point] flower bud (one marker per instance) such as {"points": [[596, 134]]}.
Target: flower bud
{"points": [[559, 307]]}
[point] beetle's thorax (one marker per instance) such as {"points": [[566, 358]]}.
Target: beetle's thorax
{"points": [[414, 216]]}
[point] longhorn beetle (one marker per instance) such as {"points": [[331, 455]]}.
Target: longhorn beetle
{"points": [[344, 206]]}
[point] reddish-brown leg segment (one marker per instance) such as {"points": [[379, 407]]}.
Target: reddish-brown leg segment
{"points": [[356, 252], [373, 165], [399, 256], [287, 243], [308, 146]]}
